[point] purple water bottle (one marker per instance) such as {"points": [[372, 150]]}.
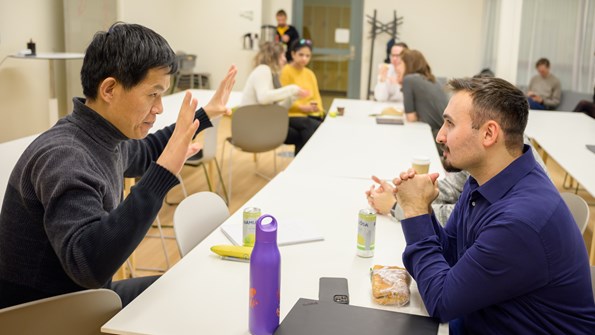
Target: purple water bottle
{"points": [[265, 279]]}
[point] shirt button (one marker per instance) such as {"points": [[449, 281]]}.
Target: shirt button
{"points": [[473, 203]]}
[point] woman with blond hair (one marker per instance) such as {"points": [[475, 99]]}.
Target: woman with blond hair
{"points": [[263, 86], [423, 97]]}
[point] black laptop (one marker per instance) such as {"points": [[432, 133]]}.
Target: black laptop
{"points": [[310, 317]]}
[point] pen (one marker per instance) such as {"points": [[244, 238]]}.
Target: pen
{"points": [[235, 259]]}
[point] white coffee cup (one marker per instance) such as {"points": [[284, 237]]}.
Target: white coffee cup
{"points": [[421, 164]]}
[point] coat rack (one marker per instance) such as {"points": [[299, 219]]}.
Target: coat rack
{"points": [[377, 29]]}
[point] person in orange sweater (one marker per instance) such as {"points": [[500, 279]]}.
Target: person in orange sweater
{"points": [[305, 114]]}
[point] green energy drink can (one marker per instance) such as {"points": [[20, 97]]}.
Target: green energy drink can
{"points": [[366, 232], [251, 214]]}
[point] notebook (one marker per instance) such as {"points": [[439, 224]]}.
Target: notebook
{"points": [[309, 317], [288, 232], [389, 120]]}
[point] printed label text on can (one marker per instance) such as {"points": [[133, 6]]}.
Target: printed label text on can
{"points": [[366, 233], [251, 214]]}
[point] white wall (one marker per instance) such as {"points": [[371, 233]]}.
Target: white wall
{"points": [[212, 30], [448, 33], [24, 83]]}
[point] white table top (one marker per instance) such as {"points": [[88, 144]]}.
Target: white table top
{"points": [[354, 146], [564, 136], [360, 112], [203, 294], [51, 55]]}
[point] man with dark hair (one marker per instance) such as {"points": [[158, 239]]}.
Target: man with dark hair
{"points": [[286, 33], [544, 90], [64, 226], [511, 259]]}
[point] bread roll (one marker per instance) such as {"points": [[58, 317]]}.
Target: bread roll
{"points": [[390, 285]]}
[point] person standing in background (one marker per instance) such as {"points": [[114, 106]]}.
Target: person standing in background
{"points": [[286, 33], [388, 88], [544, 90]]}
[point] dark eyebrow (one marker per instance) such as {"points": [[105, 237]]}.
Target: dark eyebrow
{"points": [[447, 117]]}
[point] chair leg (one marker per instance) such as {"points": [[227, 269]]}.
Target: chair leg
{"points": [[204, 168], [184, 191], [275, 161], [221, 182], [229, 172], [130, 268], [162, 237]]}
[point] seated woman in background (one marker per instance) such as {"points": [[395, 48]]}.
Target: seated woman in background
{"points": [[387, 88], [587, 107], [423, 97], [305, 113], [263, 86]]}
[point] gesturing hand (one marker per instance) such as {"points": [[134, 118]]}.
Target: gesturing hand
{"points": [[178, 147], [217, 106]]}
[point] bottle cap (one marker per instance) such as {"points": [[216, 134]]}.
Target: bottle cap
{"points": [[266, 232]]}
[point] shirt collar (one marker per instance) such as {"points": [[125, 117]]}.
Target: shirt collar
{"points": [[497, 186], [94, 125]]}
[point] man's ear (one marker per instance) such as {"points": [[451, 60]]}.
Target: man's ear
{"points": [[492, 133], [107, 88]]}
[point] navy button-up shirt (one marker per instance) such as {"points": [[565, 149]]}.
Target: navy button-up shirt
{"points": [[510, 260]]}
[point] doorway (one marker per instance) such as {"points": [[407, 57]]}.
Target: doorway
{"points": [[336, 58]]}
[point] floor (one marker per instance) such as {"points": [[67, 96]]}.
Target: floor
{"points": [[246, 183]]}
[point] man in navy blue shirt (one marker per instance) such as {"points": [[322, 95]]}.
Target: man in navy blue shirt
{"points": [[511, 259]]}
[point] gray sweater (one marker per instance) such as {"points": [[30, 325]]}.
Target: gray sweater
{"points": [[63, 225], [425, 98]]}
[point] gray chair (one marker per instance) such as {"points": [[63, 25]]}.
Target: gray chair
{"points": [[78, 313], [196, 217], [569, 99], [579, 209], [209, 155], [186, 78], [257, 129]]}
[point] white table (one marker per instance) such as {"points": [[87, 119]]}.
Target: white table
{"points": [[360, 112], [203, 294], [354, 146], [52, 57], [564, 136]]}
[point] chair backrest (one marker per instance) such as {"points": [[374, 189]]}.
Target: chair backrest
{"points": [[196, 217], [209, 149], [569, 99], [259, 128], [80, 313], [579, 209], [186, 63]]}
